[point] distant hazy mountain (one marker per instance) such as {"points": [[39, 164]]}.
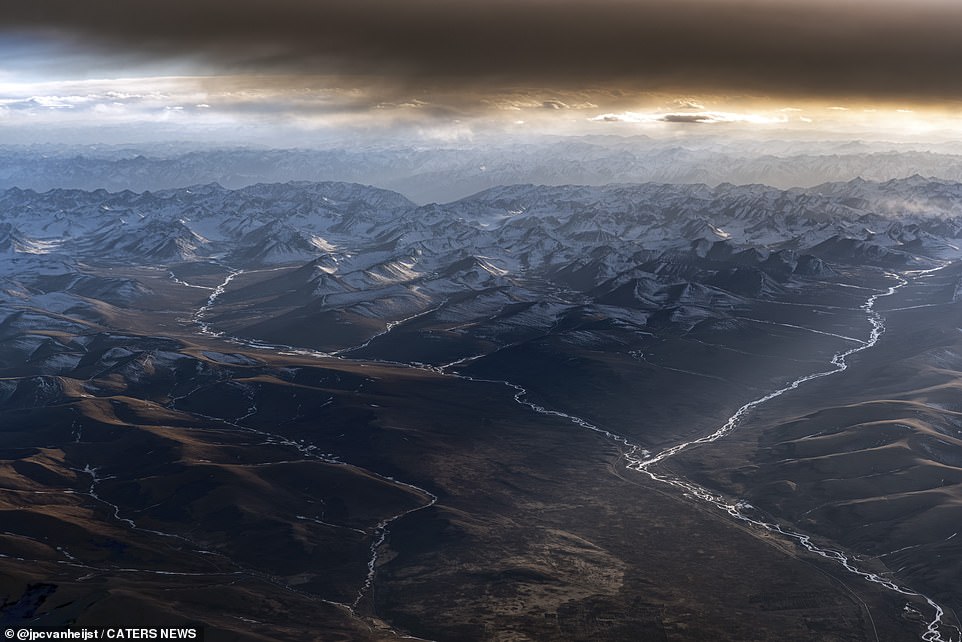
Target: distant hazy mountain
{"points": [[451, 172]]}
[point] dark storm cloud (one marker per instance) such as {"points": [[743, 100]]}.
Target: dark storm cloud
{"points": [[881, 49]]}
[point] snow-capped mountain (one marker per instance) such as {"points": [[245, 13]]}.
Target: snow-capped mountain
{"points": [[370, 257]]}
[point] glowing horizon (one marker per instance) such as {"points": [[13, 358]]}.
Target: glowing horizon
{"points": [[884, 70]]}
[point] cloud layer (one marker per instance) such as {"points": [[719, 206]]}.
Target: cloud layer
{"points": [[792, 48]]}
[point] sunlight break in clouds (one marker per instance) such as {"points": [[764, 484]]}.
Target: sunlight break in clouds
{"points": [[560, 66]]}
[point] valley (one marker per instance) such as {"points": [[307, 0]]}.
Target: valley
{"points": [[321, 407]]}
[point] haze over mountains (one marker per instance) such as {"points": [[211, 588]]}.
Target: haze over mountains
{"points": [[432, 172], [423, 412]]}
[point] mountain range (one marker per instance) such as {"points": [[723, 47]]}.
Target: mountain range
{"points": [[381, 391]]}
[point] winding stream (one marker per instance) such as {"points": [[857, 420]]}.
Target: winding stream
{"points": [[643, 461], [381, 531]]}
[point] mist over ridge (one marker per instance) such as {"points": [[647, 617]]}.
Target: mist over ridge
{"points": [[446, 172]]}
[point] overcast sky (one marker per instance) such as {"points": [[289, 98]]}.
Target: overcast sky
{"points": [[449, 66]]}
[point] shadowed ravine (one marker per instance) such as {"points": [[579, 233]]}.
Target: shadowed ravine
{"points": [[639, 459]]}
